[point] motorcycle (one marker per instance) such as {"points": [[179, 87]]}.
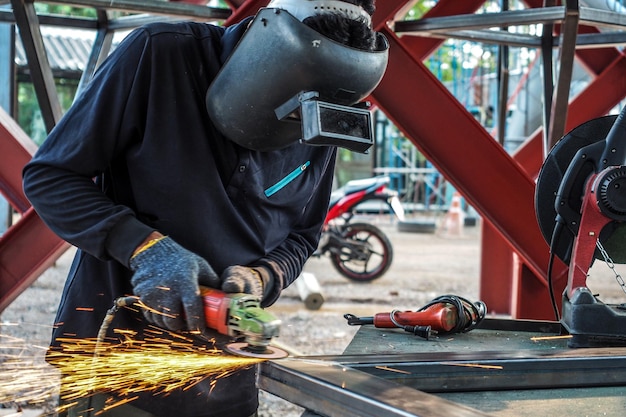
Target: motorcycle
{"points": [[359, 251]]}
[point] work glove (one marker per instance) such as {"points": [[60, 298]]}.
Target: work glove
{"points": [[166, 279], [244, 279]]}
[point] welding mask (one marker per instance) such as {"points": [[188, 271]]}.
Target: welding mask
{"points": [[285, 82]]}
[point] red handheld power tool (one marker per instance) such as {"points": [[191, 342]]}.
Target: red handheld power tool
{"points": [[241, 316], [237, 315], [443, 315]]}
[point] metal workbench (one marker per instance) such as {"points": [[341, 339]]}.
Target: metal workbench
{"points": [[499, 369]]}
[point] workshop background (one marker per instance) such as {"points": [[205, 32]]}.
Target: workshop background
{"points": [[475, 95]]}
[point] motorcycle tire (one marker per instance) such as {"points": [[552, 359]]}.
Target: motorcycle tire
{"points": [[358, 267]]}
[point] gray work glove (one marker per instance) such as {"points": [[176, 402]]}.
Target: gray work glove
{"points": [[166, 279], [244, 279]]}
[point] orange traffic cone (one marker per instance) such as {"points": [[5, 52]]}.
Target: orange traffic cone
{"points": [[454, 220]]}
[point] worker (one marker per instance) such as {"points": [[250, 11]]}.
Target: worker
{"points": [[158, 193]]}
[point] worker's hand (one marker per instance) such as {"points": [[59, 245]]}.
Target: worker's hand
{"points": [[167, 279], [243, 279]]}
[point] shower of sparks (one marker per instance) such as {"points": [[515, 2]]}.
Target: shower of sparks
{"points": [[157, 365], [25, 379]]}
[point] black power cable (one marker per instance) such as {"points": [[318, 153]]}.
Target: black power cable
{"points": [[469, 315], [556, 234]]}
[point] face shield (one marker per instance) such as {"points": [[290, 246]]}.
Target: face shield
{"points": [[285, 83]]}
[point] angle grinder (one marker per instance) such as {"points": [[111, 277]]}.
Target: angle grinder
{"points": [[232, 314], [241, 316]]}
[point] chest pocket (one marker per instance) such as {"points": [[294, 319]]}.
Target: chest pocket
{"points": [[278, 206], [270, 191]]}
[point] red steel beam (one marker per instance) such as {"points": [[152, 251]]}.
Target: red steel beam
{"points": [[243, 9], [16, 149], [463, 151], [497, 257], [421, 47], [603, 93], [600, 96], [500, 268], [28, 247], [530, 157]]}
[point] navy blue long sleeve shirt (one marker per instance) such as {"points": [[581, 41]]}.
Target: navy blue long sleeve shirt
{"points": [[137, 152]]}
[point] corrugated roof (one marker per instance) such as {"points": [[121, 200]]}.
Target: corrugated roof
{"points": [[68, 50]]}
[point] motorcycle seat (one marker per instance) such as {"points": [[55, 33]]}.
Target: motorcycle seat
{"points": [[354, 186]]}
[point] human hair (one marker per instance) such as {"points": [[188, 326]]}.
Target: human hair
{"points": [[354, 33]]}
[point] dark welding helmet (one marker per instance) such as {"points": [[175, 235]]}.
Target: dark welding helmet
{"points": [[285, 83]]}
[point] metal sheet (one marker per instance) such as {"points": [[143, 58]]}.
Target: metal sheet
{"points": [[331, 389], [398, 384]]}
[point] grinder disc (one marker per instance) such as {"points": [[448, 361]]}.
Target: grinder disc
{"points": [[242, 349], [548, 182]]}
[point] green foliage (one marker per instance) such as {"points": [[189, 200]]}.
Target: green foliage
{"points": [[419, 9], [65, 10], [218, 3], [29, 114]]}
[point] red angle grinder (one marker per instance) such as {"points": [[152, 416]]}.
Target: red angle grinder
{"points": [[446, 314], [237, 315], [241, 316]]}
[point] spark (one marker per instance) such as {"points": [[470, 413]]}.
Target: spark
{"points": [[25, 379], [386, 368], [473, 365], [538, 338], [157, 366], [83, 367]]}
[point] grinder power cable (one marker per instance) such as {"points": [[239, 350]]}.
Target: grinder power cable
{"points": [[232, 314]]}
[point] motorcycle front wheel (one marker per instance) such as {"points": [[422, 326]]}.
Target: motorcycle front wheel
{"points": [[366, 255]]}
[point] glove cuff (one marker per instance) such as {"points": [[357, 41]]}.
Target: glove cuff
{"points": [[147, 245], [153, 251], [267, 279]]}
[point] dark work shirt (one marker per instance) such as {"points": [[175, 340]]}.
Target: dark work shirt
{"points": [[137, 152]]}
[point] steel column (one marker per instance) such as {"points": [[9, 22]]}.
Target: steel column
{"points": [[560, 97], [495, 291], [99, 51], [497, 273], [40, 72]]}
